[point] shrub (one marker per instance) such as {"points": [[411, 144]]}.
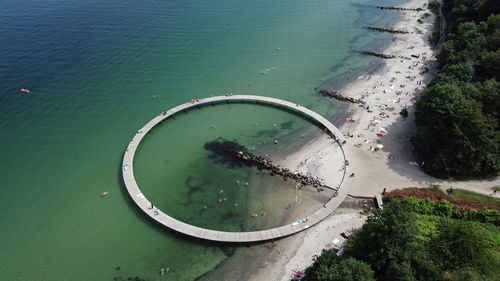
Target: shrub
{"points": [[404, 112]]}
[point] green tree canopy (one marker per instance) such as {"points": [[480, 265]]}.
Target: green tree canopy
{"points": [[457, 116], [348, 269], [397, 244], [462, 244]]}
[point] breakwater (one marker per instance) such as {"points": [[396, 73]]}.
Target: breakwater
{"points": [[384, 56], [398, 8], [336, 95], [390, 30], [225, 151]]}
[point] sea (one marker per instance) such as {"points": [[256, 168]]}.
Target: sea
{"points": [[98, 70]]}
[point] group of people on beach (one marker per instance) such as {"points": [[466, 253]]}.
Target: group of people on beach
{"points": [[387, 87]]}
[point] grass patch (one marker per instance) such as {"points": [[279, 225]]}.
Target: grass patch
{"points": [[470, 195]]}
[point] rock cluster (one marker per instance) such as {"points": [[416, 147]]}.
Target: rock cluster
{"points": [[262, 163], [338, 96], [397, 8], [232, 153], [384, 56], [387, 30]]}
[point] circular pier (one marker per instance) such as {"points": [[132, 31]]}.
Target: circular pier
{"points": [[224, 236]]}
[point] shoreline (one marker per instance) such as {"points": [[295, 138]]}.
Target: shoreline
{"points": [[297, 254], [385, 89]]}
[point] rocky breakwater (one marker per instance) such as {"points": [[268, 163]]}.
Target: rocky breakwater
{"points": [[398, 8], [390, 30], [384, 56], [336, 95], [230, 152]]}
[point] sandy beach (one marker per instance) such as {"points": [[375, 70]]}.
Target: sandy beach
{"points": [[297, 252], [377, 122], [378, 147]]}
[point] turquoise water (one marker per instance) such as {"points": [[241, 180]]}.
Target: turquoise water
{"points": [[181, 177], [99, 70]]}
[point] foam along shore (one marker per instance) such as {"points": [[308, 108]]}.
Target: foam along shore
{"points": [[378, 144]]}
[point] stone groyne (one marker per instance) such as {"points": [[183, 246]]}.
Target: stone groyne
{"points": [[390, 30], [384, 56], [225, 151], [398, 8], [336, 95]]}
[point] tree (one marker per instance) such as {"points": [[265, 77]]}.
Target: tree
{"points": [[388, 242], [467, 274], [395, 244], [454, 136], [347, 269], [489, 96], [462, 244], [458, 121]]}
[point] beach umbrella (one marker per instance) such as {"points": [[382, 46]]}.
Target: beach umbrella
{"points": [[380, 146]]}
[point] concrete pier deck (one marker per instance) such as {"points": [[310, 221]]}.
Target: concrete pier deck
{"points": [[223, 236]]}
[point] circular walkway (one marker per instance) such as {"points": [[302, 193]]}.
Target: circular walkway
{"points": [[223, 236]]}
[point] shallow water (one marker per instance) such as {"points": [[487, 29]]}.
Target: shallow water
{"points": [[99, 70], [182, 177]]}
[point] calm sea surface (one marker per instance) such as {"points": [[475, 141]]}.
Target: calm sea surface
{"points": [[98, 70]]}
